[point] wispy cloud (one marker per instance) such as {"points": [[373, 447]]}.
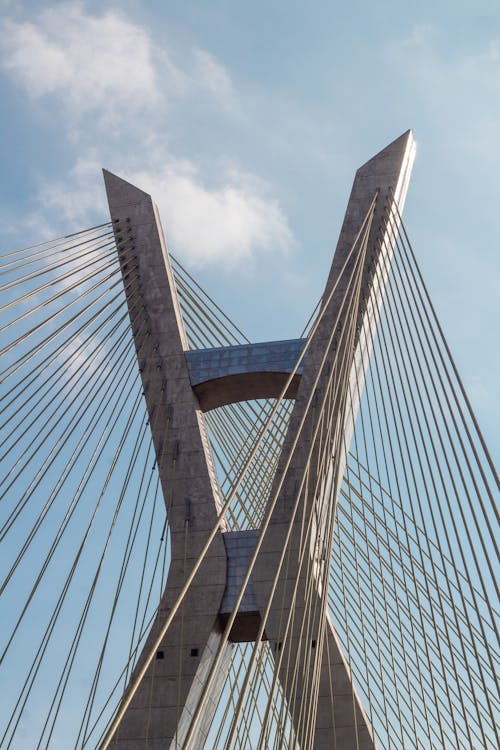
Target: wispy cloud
{"points": [[103, 69], [73, 200], [92, 64], [453, 88], [227, 224], [213, 77], [104, 65]]}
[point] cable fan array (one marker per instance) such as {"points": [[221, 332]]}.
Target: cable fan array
{"points": [[414, 545], [416, 550], [83, 556], [411, 586]]}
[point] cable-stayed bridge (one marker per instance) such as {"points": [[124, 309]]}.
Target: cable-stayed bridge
{"points": [[209, 542]]}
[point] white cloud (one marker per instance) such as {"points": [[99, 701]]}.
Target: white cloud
{"points": [[212, 76], [76, 203], [478, 392], [106, 69], [227, 224], [93, 63], [420, 36], [79, 354], [104, 65]]}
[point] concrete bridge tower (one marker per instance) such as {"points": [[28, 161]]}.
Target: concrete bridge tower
{"points": [[179, 387]]}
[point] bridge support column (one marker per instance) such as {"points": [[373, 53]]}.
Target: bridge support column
{"points": [[340, 721], [161, 709]]}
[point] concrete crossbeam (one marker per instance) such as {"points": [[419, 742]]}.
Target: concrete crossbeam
{"points": [[226, 374]]}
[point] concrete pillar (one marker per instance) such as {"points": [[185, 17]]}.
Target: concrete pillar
{"points": [[162, 707], [340, 721]]}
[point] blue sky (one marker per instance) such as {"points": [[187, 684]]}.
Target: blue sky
{"points": [[246, 121]]}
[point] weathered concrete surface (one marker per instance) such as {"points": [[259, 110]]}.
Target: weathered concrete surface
{"points": [[161, 710], [340, 721], [227, 374], [240, 546], [162, 707]]}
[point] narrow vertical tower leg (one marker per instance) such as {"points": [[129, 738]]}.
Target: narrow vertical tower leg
{"points": [[321, 699], [161, 709]]}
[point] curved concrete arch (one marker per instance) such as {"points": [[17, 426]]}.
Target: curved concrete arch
{"points": [[244, 386], [228, 374]]}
